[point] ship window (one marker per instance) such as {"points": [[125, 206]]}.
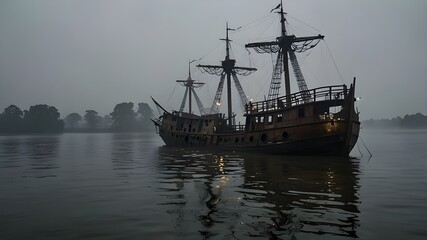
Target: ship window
{"points": [[251, 138], [194, 130], [186, 138], [301, 112], [279, 117], [236, 140], [261, 119], [185, 129], [256, 119], [269, 119]]}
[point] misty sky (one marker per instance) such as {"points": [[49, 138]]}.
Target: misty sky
{"points": [[92, 54]]}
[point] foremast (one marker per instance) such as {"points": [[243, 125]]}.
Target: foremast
{"points": [[189, 85]]}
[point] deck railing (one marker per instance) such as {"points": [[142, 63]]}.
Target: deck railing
{"points": [[317, 94]]}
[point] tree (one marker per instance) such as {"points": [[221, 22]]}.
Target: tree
{"points": [[123, 117], [92, 119], [43, 118], [72, 120], [11, 119], [145, 114], [106, 121], [417, 120], [145, 111]]}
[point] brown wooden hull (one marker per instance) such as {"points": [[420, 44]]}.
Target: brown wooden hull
{"points": [[308, 128], [309, 139]]}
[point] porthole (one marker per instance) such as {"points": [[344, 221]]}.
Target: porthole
{"points": [[285, 135], [264, 137]]}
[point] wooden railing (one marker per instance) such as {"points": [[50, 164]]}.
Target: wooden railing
{"points": [[317, 94]]}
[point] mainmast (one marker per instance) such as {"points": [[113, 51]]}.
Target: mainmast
{"points": [[190, 84], [283, 45], [227, 69]]}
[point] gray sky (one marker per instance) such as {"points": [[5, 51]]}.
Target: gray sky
{"points": [[93, 54]]}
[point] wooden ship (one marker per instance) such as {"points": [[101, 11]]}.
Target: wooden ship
{"points": [[302, 122]]}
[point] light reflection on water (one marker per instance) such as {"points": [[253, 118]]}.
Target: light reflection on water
{"points": [[128, 186], [260, 195]]}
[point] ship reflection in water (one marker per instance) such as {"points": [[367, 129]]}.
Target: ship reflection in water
{"points": [[239, 196]]}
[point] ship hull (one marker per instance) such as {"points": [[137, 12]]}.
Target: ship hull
{"points": [[312, 143], [306, 128]]}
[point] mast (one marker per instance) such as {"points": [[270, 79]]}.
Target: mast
{"points": [[228, 68], [228, 65], [285, 56], [283, 45], [190, 84]]}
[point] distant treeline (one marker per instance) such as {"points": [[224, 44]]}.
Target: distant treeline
{"points": [[44, 118], [414, 121], [39, 118]]}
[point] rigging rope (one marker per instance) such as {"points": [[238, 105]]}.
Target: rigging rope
{"points": [[360, 137], [302, 85], [333, 60], [199, 102], [209, 52], [303, 22], [243, 28], [181, 109], [217, 100], [167, 101]]}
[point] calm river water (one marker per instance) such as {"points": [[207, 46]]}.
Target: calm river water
{"points": [[127, 186]]}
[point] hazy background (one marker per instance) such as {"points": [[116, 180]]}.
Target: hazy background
{"points": [[80, 54]]}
